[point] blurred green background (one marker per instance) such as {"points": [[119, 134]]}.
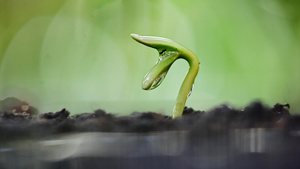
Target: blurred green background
{"points": [[78, 54]]}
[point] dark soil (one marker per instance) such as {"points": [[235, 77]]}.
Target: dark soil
{"points": [[18, 119], [224, 137]]}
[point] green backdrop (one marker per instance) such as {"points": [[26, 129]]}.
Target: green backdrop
{"points": [[78, 54]]}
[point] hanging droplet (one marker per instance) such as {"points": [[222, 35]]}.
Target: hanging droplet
{"points": [[158, 81], [191, 90]]}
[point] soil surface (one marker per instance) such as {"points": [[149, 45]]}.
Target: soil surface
{"points": [[18, 119]]}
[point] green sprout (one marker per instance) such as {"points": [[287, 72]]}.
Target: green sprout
{"points": [[169, 51]]}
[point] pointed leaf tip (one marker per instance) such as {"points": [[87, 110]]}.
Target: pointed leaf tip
{"points": [[135, 36]]}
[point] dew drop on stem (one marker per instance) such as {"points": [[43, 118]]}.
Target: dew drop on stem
{"points": [[191, 90]]}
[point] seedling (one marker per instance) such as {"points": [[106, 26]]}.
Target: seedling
{"points": [[169, 51]]}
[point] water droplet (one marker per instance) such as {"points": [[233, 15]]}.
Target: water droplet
{"points": [[158, 81], [191, 90], [167, 54]]}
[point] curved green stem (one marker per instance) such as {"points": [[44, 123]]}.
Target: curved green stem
{"points": [[187, 84], [169, 51]]}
